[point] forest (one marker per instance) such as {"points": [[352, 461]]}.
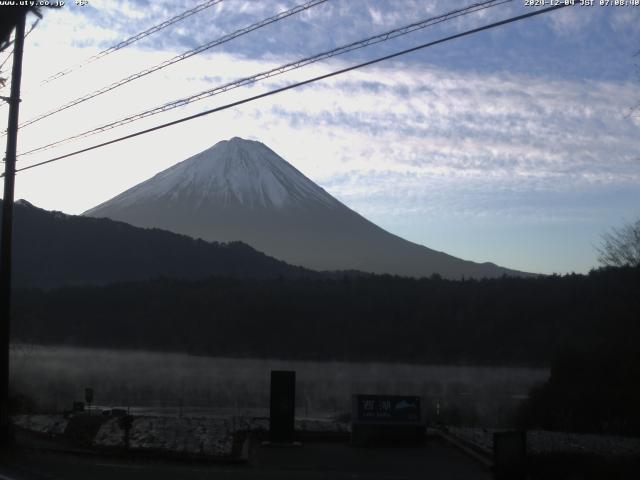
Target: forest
{"points": [[506, 321]]}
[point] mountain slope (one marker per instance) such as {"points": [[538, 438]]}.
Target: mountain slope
{"points": [[242, 190], [53, 249]]}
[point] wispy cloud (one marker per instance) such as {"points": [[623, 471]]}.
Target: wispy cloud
{"points": [[407, 118]]}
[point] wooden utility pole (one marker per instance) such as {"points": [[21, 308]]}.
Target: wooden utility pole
{"points": [[6, 233]]}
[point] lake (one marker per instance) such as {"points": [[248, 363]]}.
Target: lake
{"points": [[173, 383]]}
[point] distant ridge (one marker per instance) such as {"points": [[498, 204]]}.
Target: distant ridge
{"points": [[242, 190], [52, 249]]}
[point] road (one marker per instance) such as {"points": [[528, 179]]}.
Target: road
{"points": [[312, 461]]}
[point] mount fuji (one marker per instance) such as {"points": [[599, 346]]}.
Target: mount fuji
{"points": [[242, 190]]}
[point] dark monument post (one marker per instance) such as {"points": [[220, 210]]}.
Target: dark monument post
{"points": [[282, 407]]}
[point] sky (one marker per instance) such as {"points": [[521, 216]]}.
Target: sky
{"points": [[517, 145]]}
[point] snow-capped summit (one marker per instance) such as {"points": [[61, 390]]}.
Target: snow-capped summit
{"points": [[232, 172], [242, 190]]}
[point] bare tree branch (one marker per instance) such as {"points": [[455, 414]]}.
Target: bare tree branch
{"points": [[621, 247]]}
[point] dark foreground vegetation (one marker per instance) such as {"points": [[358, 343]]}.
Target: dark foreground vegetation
{"points": [[590, 391]]}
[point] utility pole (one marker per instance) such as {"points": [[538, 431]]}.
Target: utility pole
{"points": [[6, 233]]}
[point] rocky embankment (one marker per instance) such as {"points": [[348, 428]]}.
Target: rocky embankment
{"points": [[212, 437]]}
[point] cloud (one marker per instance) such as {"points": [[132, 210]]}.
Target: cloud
{"points": [[479, 124], [624, 18], [317, 28], [409, 119], [569, 22]]}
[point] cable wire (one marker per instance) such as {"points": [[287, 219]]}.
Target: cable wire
{"points": [[299, 84], [6, 59], [130, 40], [382, 37], [122, 44], [178, 58]]}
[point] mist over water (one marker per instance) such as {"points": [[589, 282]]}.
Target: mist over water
{"points": [[171, 383]]}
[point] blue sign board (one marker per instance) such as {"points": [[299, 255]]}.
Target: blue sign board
{"points": [[387, 408]]}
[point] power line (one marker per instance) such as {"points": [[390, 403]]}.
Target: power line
{"points": [[299, 84], [6, 59], [124, 43], [178, 58], [130, 40], [382, 37]]}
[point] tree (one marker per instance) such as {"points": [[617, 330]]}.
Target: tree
{"points": [[621, 246]]}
